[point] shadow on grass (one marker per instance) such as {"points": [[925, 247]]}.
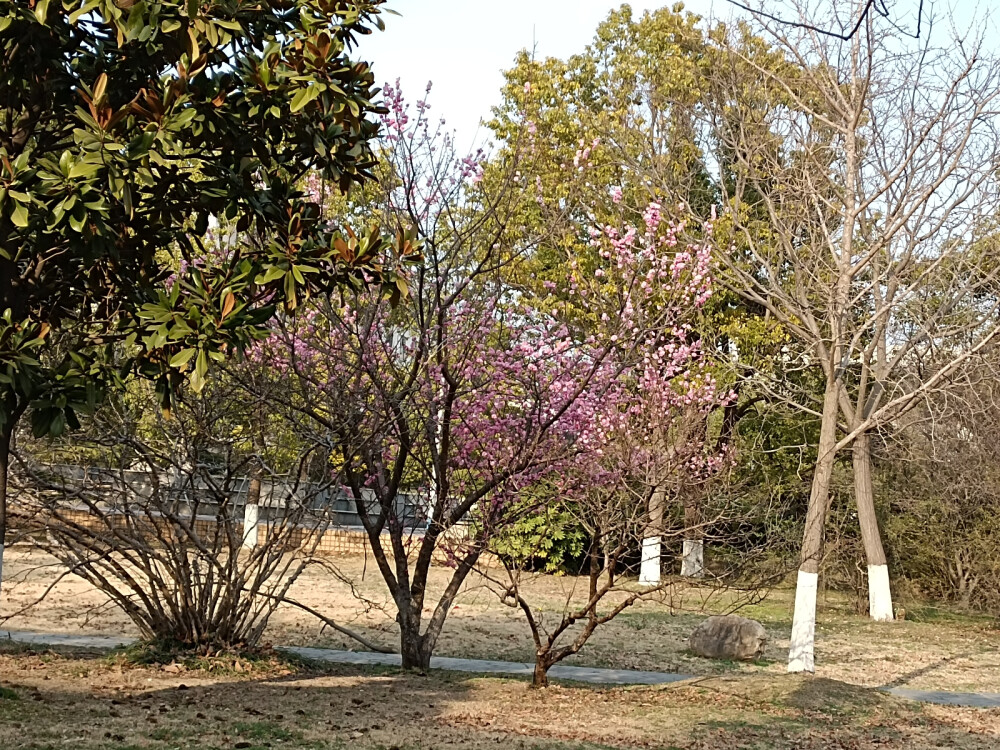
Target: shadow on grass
{"points": [[907, 677], [60, 704], [90, 700]]}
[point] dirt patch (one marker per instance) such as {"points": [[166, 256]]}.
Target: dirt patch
{"points": [[946, 651]]}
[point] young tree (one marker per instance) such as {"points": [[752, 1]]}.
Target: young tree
{"points": [[646, 445], [860, 171], [474, 388], [128, 131]]}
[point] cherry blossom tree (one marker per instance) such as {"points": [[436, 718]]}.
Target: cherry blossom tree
{"points": [[641, 448], [444, 409]]}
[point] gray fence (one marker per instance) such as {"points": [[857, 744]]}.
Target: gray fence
{"points": [[201, 492]]}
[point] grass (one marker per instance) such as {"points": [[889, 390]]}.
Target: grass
{"points": [[264, 731], [930, 613], [934, 648], [90, 702]]}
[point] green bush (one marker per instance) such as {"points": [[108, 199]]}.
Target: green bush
{"points": [[548, 540]]}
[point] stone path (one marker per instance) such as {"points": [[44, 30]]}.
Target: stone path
{"points": [[577, 674], [481, 666], [942, 698], [69, 641]]}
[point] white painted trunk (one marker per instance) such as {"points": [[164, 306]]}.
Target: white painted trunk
{"points": [[251, 516], [1, 565], [693, 559], [649, 571], [801, 646], [879, 593]]}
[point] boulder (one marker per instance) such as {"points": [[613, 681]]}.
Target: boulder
{"points": [[729, 637]]}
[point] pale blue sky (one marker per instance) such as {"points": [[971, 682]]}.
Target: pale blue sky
{"points": [[464, 45]]}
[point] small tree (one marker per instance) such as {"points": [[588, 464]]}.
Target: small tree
{"points": [[474, 391], [646, 448], [129, 130]]}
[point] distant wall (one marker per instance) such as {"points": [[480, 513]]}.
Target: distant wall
{"points": [[333, 540]]}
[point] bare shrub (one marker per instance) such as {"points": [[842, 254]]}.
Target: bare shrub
{"points": [[195, 526]]}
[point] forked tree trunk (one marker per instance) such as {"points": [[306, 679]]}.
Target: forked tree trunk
{"points": [[802, 644], [879, 591], [652, 546]]}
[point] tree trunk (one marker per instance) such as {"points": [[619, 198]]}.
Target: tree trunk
{"points": [[649, 570], [801, 646], [251, 510], [540, 678], [412, 644], [693, 557], [879, 592], [5, 437]]}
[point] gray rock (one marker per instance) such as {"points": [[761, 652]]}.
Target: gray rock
{"points": [[729, 637]]}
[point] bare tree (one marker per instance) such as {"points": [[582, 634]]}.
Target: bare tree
{"points": [[859, 175], [837, 28]]}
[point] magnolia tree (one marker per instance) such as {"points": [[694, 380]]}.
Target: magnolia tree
{"points": [[445, 412], [130, 129]]}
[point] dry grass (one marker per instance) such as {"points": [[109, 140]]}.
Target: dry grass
{"points": [[90, 702], [942, 650]]}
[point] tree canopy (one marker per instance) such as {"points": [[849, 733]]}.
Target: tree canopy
{"points": [[150, 161]]}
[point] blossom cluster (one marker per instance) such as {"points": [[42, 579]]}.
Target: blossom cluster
{"points": [[485, 391]]}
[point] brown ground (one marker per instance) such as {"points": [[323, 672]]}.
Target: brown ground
{"points": [[91, 702], [943, 650]]}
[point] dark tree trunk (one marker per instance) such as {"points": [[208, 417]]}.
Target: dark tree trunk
{"points": [[5, 437], [413, 646], [540, 678]]}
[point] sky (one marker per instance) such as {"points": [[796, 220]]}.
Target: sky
{"points": [[463, 46]]}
